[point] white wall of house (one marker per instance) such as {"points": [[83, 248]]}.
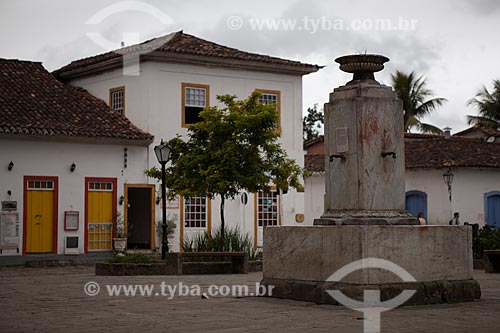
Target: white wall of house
{"points": [[468, 189], [153, 103], [50, 158], [314, 191]]}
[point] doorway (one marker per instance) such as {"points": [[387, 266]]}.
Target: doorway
{"points": [[492, 201], [140, 214], [40, 214], [416, 202], [100, 213]]}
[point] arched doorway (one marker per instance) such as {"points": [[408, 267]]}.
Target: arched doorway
{"points": [[492, 209], [416, 202]]}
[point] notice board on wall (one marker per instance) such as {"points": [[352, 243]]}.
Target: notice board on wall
{"points": [[9, 230]]}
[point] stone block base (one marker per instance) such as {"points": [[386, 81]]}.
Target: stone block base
{"points": [[426, 292]]}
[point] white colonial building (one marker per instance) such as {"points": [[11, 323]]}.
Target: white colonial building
{"points": [[64, 161], [160, 86], [471, 165]]}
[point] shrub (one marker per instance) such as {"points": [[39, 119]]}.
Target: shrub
{"points": [[485, 239], [234, 241], [131, 259]]}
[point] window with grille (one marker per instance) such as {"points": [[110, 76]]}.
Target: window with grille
{"points": [[267, 208], [271, 97], [117, 99], [195, 212], [101, 186], [46, 185], [195, 98]]}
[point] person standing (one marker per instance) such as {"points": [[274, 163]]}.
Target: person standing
{"points": [[421, 219], [455, 220]]}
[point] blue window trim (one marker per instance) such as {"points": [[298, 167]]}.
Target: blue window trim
{"points": [[486, 196]]}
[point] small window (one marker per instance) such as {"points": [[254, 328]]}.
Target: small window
{"points": [[195, 98], [195, 212], [117, 99], [267, 208], [272, 97], [101, 186], [41, 185]]}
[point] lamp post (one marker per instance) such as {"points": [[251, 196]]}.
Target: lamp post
{"points": [[448, 180], [162, 152]]}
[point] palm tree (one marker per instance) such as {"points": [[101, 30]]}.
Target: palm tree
{"points": [[488, 105], [413, 92]]}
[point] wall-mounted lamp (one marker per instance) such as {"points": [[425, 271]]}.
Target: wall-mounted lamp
{"points": [[448, 180], [72, 167], [122, 198], [157, 199], [11, 165]]}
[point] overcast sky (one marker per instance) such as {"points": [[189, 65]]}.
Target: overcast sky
{"points": [[455, 44]]}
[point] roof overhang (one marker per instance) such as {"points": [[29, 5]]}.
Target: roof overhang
{"points": [[177, 58], [77, 139]]}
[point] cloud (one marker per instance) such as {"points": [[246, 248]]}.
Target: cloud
{"points": [[483, 7]]}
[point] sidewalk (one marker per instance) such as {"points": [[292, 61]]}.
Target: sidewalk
{"points": [[52, 300]]}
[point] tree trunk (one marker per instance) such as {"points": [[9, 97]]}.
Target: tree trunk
{"points": [[222, 222]]}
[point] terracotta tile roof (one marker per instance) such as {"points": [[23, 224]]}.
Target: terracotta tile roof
{"points": [[455, 152], [314, 141], [315, 163], [179, 43], [35, 103], [486, 131], [436, 152]]}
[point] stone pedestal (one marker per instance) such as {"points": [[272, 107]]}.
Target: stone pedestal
{"points": [[298, 262], [365, 150], [365, 218]]}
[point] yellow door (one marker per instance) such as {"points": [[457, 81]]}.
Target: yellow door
{"points": [[40, 217], [100, 216]]}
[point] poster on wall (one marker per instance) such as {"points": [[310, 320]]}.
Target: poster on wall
{"points": [[173, 204], [9, 230]]}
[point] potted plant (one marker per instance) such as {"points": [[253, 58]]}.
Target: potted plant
{"points": [[171, 226], [120, 241]]}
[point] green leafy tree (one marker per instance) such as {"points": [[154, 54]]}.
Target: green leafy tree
{"points": [[312, 122], [488, 105], [232, 149], [414, 94]]}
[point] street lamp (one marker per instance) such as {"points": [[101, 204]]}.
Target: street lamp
{"points": [[448, 180], [162, 152]]}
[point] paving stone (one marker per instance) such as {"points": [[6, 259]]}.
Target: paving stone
{"points": [[51, 299]]}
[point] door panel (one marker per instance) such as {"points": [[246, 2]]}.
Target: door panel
{"points": [[40, 221], [493, 211], [416, 202], [100, 220], [267, 213], [139, 217], [195, 217]]}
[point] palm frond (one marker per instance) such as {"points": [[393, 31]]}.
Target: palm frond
{"points": [[428, 128], [482, 122]]}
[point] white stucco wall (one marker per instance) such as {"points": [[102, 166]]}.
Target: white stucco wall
{"points": [[468, 189], [314, 197], [153, 103], [50, 158]]}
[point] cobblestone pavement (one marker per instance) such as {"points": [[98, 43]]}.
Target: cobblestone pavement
{"points": [[53, 300]]}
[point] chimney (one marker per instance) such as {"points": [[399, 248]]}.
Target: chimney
{"points": [[447, 133]]}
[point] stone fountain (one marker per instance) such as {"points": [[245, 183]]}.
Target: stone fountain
{"points": [[365, 213]]}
